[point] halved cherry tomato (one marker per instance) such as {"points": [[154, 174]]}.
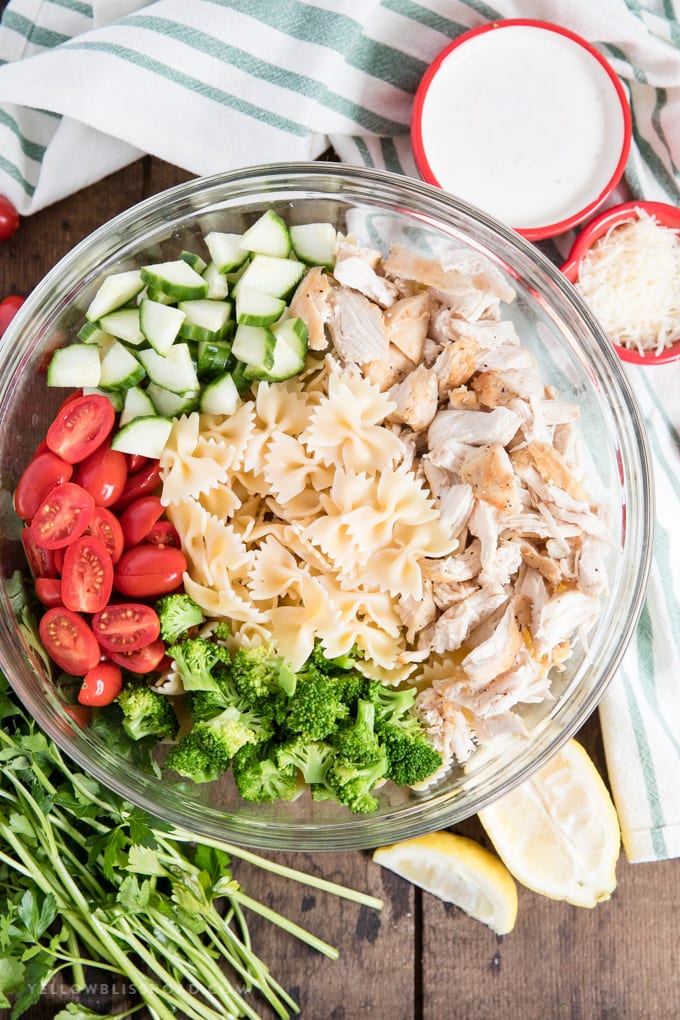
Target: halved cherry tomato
{"points": [[80, 427], [63, 516], [106, 526], [87, 575], [101, 685], [9, 219], [138, 519], [69, 641], [8, 309], [126, 627], [103, 474], [42, 562], [140, 483], [48, 591], [142, 660], [39, 477], [147, 571], [136, 461], [164, 533], [68, 399]]}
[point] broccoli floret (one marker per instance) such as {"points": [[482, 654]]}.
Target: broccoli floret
{"points": [[356, 741], [196, 659], [311, 757], [177, 614], [221, 631], [391, 703], [340, 664], [191, 758], [147, 713], [314, 709], [206, 751], [411, 757], [351, 784], [260, 779], [207, 704], [256, 673]]}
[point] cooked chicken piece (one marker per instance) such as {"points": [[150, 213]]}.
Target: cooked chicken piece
{"points": [[356, 268], [480, 270], [416, 614], [557, 413], [357, 328], [454, 625], [311, 303], [486, 334], [388, 371], [566, 442], [590, 565], [455, 365], [447, 595], [478, 428], [451, 456], [455, 506], [547, 566], [497, 653], [488, 470], [508, 356], [551, 467], [345, 248], [416, 399], [523, 682], [438, 479], [431, 351], [452, 569], [561, 616], [463, 399], [500, 389], [484, 524], [505, 565], [406, 324], [531, 594], [446, 724]]}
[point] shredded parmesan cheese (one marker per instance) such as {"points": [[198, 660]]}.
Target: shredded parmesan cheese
{"points": [[630, 279]]}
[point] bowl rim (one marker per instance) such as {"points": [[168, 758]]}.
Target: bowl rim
{"points": [[625, 212], [541, 232], [402, 821]]}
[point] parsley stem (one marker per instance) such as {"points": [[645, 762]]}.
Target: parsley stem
{"points": [[283, 922]]}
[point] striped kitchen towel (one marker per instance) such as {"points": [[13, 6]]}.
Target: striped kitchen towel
{"points": [[213, 85]]}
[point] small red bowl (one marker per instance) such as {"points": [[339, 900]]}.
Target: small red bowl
{"points": [[666, 216]]}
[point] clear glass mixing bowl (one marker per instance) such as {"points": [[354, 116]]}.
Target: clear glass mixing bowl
{"points": [[552, 321]]}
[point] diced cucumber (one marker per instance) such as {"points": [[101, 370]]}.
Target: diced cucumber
{"points": [[120, 369], [290, 349], [254, 346], [92, 333], [225, 250], [220, 396], [253, 308], [218, 285], [160, 324], [239, 374], [177, 279], [267, 236], [158, 296], [294, 332], [171, 405], [271, 275], [74, 366], [193, 260], [136, 404], [124, 325], [114, 292], [205, 319], [213, 356], [314, 243], [146, 436], [175, 371], [115, 397]]}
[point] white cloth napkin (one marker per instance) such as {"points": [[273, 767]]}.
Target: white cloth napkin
{"points": [[212, 85]]}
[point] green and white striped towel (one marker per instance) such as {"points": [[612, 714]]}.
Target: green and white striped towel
{"points": [[213, 85]]}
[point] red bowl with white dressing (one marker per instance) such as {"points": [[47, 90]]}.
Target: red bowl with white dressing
{"points": [[525, 120], [600, 228]]}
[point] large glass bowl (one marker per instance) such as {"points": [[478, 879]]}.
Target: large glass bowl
{"points": [[551, 319]]}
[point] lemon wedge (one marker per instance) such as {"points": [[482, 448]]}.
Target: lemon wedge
{"points": [[459, 871], [558, 833]]}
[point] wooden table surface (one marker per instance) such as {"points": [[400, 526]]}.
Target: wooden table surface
{"points": [[419, 959]]}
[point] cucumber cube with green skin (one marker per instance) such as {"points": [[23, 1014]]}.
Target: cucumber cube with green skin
{"points": [[220, 396], [136, 404], [146, 436], [92, 333], [75, 366], [115, 397], [120, 369], [213, 356], [193, 260], [160, 324], [278, 277], [172, 405], [124, 325], [314, 243], [114, 292], [176, 371], [225, 250], [254, 308], [268, 236], [254, 346], [218, 285], [177, 279], [205, 319]]}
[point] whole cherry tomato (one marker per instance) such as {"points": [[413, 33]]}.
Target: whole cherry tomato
{"points": [[136, 461], [48, 591], [147, 571], [69, 641], [9, 219], [138, 519], [101, 685], [39, 477], [87, 575], [103, 474], [81, 425], [8, 309], [139, 483], [63, 516], [125, 627]]}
